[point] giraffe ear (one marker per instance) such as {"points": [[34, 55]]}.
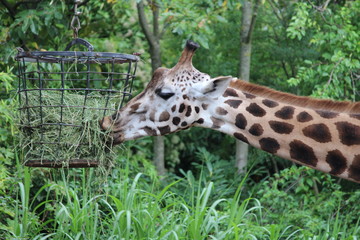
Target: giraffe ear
{"points": [[213, 88]]}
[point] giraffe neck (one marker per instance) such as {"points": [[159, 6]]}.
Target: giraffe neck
{"points": [[291, 127]]}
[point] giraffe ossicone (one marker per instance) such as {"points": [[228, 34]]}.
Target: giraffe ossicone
{"points": [[321, 134]]}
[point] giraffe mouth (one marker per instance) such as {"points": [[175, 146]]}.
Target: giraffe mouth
{"points": [[113, 137], [116, 138]]}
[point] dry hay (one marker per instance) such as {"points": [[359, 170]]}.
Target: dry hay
{"points": [[66, 130]]}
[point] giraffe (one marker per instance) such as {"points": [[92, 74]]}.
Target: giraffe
{"points": [[321, 134]]}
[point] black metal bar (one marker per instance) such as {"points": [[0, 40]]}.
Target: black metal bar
{"points": [[62, 99], [110, 87], [78, 54], [66, 144], [72, 163], [87, 88], [52, 124], [132, 80], [68, 106], [74, 89], [40, 99], [20, 76], [81, 42], [26, 96], [79, 80], [126, 83]]}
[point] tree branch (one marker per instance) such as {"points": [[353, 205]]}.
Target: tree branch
{"points": [[25, 2], [166, 25], [144, 24], [283, 64], [322, 7], [155, 9], [83, 3], [277, 15], [253, 20]]}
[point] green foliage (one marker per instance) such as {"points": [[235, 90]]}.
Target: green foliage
{"points": [[300, 22], [193, 19], [311, 201], [334, 32], [7, 143]]}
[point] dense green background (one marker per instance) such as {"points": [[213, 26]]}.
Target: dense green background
{"points": [[298, 47]]}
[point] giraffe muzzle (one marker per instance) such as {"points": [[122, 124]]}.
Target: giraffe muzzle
{"points": [[105, 123], [114, 137]]}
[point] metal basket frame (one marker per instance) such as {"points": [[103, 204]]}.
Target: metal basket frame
{"points": [[87, 58]]}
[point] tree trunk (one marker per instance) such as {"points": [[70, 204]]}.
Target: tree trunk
{"points": [[153, 38], [159, 141], [249, 14]]}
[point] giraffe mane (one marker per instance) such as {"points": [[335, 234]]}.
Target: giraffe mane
{"points": [[300, 101]]}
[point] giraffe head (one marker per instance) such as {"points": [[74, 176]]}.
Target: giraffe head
{"points": [[173, 100]]}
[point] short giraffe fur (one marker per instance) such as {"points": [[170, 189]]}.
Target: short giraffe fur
{"points": [[321, 134]]}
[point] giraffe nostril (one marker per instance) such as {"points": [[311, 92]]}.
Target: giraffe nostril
{"points": [[114, 116], [105, 123], [101, 123]]}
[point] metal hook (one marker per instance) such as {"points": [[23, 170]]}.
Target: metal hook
{"points": [[75, 22]]}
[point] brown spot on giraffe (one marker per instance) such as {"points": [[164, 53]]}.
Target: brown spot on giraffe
{"points": [[240, 121], [356, 116], [303, 153], [217, 123], [197, 109], [135, 107], [164, 116], [164, 130], [150, 131], [230, 92], [233, 103], [204, 106], [152, 116], [249, 95], [181, 108], [241, 137], [188, 111], [281, 127], [318, 132], [221, 111], [256, 130], [200, 121], [327, 114], [256, 110], [354, 169], [176, 121], [269, 144], [304, 117], [349, 133], [336, 161], [185, 97], [269, 103], [285, 113]]}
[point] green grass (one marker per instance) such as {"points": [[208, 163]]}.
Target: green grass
{"points": [[132, 203]]}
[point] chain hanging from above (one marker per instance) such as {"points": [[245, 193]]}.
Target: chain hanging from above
{"points": [[75, 21]]}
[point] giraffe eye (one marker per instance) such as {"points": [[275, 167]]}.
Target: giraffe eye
{"points": [[164, 95]]}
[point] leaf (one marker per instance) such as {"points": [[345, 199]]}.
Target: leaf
{"points": [[203, 41], [221, 19], [33, 27], [25, 25]]}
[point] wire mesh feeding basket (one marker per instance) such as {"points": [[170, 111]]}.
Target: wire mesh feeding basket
{"points": [[62, 95]]}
